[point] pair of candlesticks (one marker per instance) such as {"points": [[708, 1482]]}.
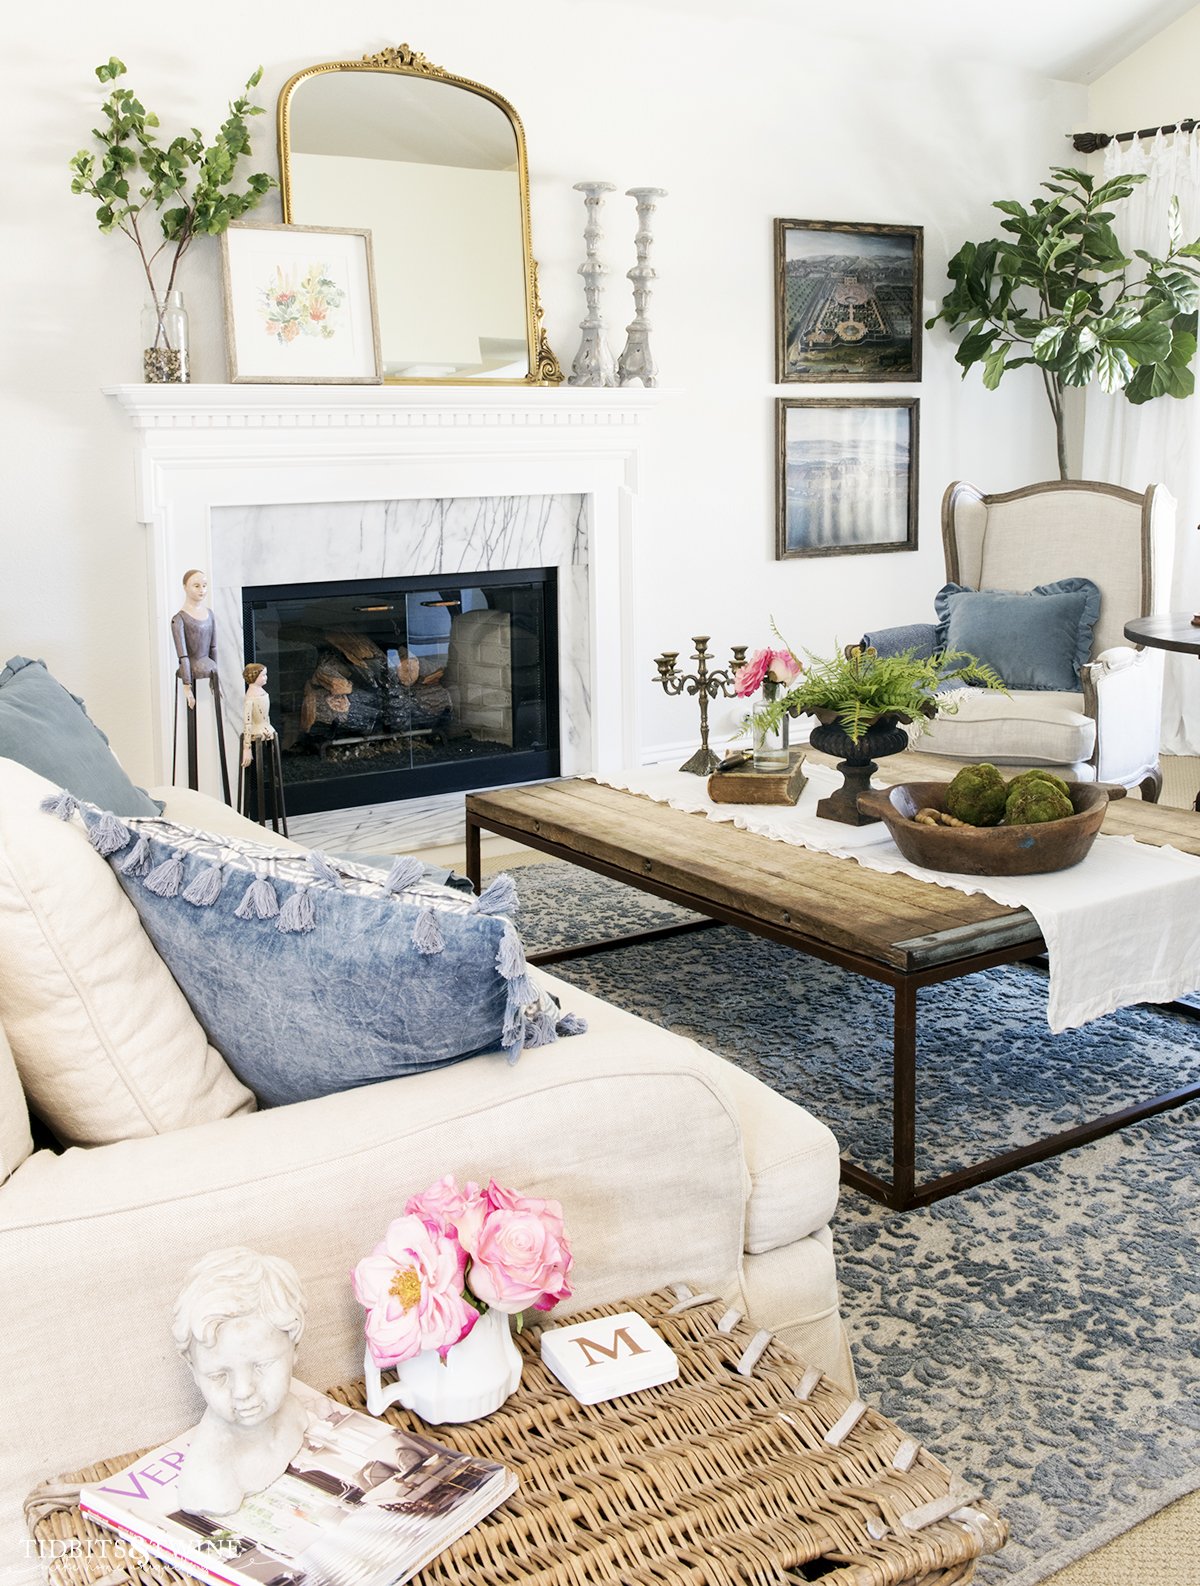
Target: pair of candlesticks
{"points": [[706, 685], [594, 364]]}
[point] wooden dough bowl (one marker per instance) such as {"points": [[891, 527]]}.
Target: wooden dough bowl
{"points": [[987, 850]]}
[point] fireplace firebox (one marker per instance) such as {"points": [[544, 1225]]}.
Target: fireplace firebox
{"points": [[398, 688]]}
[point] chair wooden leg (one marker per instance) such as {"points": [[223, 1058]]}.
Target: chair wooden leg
{"points": [[1151, 786]]}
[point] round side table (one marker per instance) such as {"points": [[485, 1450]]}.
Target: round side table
{"points": [[1169, 631]]}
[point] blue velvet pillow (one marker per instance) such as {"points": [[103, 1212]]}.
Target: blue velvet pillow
{"points": [[1037, 640], [310, 975], [48, 730]]}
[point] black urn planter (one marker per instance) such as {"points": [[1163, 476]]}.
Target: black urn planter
{"points": [[856, 763]]}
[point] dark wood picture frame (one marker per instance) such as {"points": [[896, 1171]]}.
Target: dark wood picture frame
{"points": [[854, 492], [847, 301]]}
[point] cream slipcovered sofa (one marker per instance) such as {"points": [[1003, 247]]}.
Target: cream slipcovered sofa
{"points": [[670, 1164]]}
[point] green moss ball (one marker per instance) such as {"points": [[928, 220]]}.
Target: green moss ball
{"points": [[1039, 776], [977, 795], [1035, 801]]}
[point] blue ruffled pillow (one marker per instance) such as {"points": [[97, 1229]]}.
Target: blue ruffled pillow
{"points": [[1037, 640], [47, 729], [311, 975]]}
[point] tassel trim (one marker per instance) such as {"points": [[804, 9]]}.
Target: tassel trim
{"points": [[542, 1029], [108, 834], [62, 804], [205, 888], [259, 901], [323, 867], [498, 897], [298, 912], [427, 934], [164, 879], [137, 861], [403, 874], [510, 955], [571, 1024]]}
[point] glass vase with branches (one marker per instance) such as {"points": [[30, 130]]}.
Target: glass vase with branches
{"points": [[186, 186]]}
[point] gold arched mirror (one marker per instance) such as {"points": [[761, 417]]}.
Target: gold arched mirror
{"points": [[435, 166]]}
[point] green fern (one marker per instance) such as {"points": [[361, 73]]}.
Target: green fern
{"points": [[859, 686]]}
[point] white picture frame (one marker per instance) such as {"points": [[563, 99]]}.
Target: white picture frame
{"points": [[300, 305]]}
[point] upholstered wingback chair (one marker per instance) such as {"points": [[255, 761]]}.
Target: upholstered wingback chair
{"points": [[1108, 729]]}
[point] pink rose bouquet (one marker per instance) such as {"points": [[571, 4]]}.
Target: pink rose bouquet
{"points": [[412, 1285], [454, 1254], [767, 669]]}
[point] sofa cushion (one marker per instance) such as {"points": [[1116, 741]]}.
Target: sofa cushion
{"points": [[312, 976], [1037, 640], [105, 1044], [44, 727], [1036, 728], [629, 1126], [16, 1142]]}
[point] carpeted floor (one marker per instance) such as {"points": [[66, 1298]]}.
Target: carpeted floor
{"points": [[1038, 1332]]}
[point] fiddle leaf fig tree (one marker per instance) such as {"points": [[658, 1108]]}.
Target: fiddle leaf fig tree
{"points": [[187, 185], [1058, 291]]}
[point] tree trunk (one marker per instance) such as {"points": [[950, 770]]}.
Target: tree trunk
{"points": [[1060, 434]]}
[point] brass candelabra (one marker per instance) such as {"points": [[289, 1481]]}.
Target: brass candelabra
{"points": [[705, 685]]}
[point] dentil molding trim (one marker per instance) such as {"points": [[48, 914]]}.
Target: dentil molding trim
{"points": [[176, 407]]}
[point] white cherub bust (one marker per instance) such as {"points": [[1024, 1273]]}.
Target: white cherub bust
{"points": [[237, 1324]]}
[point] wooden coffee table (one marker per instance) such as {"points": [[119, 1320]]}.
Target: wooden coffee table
{"points": [[891, 928]]}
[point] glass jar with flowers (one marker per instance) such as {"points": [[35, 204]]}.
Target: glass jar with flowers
{"points": [[439, 1290], [772, 671], [863, 702]]}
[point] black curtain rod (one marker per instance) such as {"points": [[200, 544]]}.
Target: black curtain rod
{"points": [[1089, 142]]}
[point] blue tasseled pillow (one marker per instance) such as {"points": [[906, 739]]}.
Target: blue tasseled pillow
{"points": [[311, 975]]}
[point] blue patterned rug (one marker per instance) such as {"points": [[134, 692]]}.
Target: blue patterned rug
{"points": [[1041, 1332]]}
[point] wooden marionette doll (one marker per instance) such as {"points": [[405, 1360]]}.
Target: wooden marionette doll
{"points": [[194, 632]]}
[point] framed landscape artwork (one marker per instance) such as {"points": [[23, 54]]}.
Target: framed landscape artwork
{"points": [[848, 301], [300, 305], [846, 477]]}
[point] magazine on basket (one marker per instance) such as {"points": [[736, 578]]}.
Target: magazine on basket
{"points": [[362, 1504]]}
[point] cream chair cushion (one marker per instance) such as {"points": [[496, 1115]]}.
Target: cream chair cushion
{"points": [[1021, 728], [105, 1044], [16, 1142]]}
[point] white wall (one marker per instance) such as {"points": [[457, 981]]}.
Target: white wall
{"points": [[740, 122], [1153, 86]]}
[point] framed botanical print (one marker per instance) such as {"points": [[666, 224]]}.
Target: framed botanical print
{"points": [[848, 301], [846, 477], [300, 305]]}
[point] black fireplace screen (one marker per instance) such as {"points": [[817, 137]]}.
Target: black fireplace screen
{"points": [[398, 688]]}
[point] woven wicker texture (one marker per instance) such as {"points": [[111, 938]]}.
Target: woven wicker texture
{"points": [[717, 1479]]}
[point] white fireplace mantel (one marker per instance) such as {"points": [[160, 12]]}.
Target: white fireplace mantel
{"points": [[205, 447]]}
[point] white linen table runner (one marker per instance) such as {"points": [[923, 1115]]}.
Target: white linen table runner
{"points": [[1121, 927]]}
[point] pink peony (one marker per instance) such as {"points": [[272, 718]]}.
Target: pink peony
{"points": [[412, 1287], [442, 1202], [519, 1253], [766, 666]]}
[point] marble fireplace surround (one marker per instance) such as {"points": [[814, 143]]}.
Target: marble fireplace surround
{"points": [[263, 484]]}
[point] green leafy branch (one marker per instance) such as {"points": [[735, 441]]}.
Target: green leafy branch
{"points": [[134, 177], [858, 686], [1060, 293]]}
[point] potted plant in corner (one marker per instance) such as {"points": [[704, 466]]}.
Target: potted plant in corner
{"points": [[1057, 292], [129, 144], [863, 703]]}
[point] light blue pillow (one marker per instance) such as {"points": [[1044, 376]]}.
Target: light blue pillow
{"points": [[310, 975], [1037, 640], [48, 730]]}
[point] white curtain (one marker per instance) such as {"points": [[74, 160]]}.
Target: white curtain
{"points": [[1158, 442]]}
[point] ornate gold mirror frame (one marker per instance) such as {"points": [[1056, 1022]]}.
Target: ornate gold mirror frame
{"points": [[542, 365]]}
